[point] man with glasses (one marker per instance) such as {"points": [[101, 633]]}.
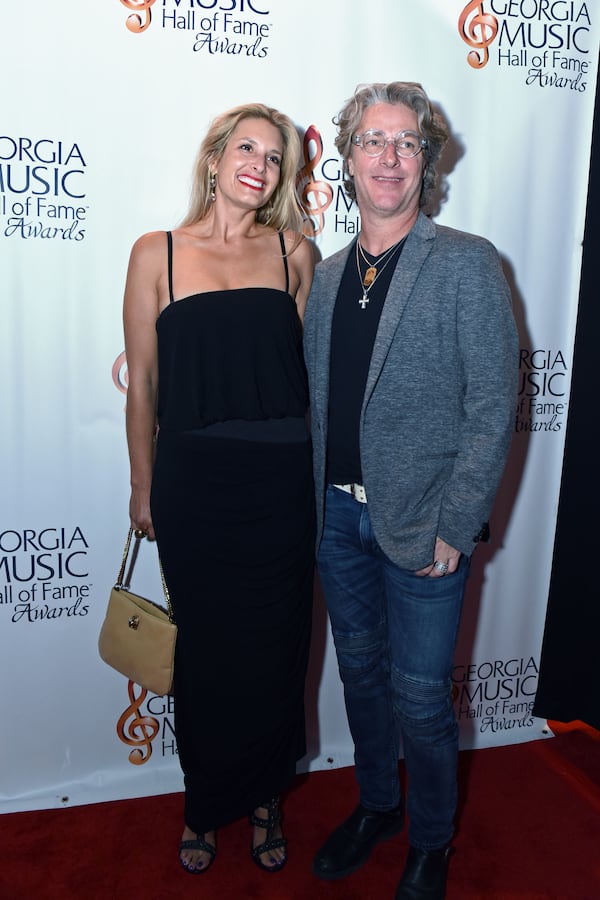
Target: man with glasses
{"points": [[411, 350]]}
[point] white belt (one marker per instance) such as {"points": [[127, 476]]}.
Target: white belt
{"points": [[357, 491]]}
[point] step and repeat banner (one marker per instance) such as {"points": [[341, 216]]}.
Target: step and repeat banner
{"points": [[104, 107]]}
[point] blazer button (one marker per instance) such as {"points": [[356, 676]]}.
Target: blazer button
{"points": [[483, 534]]}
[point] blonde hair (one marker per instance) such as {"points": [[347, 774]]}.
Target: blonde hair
{"points": [[283, 210]]}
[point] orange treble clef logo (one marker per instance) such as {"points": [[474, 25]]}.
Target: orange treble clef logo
{"points": [[478, 29], [315, 196], [141, 731], [135, 22], [120, 374]]}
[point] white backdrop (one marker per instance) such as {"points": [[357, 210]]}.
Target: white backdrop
{"points": [[104, 107]]}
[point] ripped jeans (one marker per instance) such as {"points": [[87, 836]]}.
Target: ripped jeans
{"points": [[395, 635]]}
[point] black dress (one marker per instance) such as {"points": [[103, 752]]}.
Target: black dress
{"points": [[233, 510]]}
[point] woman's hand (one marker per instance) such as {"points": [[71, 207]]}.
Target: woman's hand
{"points": [[139, 513]]}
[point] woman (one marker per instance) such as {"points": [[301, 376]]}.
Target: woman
{"points": [[212, 317]]}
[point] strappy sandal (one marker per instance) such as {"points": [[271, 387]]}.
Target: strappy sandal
{"points": [[270, 843], [198, 843]]}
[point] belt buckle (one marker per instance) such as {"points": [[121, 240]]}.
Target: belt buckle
{"points": [[358, 492]]}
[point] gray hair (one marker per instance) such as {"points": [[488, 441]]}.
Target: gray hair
{"points": [[405, 93]]}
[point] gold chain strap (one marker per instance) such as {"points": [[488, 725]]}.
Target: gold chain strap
{"points": [[120, 578]]}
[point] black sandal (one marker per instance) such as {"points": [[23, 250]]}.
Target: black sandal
{"points": [[198, 843], [270, 843]]}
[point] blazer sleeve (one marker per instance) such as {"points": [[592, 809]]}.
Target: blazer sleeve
{"points": [[488, 352]]}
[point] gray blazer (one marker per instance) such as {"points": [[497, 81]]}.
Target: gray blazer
{"points": [[439, 404]]}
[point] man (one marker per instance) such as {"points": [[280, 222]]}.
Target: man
{"points": [[411, 351]]}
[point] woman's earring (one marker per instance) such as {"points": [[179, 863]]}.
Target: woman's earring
{"points": [[213, 184]]}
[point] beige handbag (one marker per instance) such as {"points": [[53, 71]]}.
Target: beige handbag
{"points": [[137, 637]]}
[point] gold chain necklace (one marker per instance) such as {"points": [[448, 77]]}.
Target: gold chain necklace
{"points": [[373, 272]]}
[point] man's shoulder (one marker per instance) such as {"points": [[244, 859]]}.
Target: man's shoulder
{"points": [[337, 259], [334, 259], [446, 236]]}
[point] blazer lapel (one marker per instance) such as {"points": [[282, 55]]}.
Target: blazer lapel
{"points": [[416, 250]]}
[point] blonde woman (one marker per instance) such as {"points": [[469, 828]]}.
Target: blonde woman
{"points": [[213, 329]]}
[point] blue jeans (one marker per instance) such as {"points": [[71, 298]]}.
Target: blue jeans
{"points": [[395, 635]]}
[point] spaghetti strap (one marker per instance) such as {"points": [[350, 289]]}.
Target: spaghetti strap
{"points": [[285, 263], [170, 264]]}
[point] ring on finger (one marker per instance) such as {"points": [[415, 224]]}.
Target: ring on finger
{"points": [[440, 567]]}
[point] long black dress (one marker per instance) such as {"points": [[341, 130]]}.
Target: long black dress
{"points": [[233, 510]]}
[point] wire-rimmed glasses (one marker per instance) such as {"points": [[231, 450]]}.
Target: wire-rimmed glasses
{"points": [[406, 143]]}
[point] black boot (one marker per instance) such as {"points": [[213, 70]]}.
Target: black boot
{"points": [[424, 876], [351, 844]]}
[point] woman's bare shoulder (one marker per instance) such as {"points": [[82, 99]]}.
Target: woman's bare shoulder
{"points": [[149, 243], [299, 248]]}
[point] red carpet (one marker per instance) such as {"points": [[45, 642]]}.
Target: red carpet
{"points": [[528, 829]]}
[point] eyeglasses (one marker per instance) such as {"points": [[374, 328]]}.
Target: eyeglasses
{"points": [[406, 144]]}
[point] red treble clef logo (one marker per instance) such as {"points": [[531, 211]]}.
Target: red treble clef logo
{"points": [[315, 196], [478, 29], [135, 22], [141, 731]]}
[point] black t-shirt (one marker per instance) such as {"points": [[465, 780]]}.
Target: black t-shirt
{"points": [[352, 337]]}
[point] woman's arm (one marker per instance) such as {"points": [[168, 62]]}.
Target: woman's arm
{"points": [[301, 260], [140, 310]]}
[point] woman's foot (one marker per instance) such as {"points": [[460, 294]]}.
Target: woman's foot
{"points": [[268, 843], [197, 851]]}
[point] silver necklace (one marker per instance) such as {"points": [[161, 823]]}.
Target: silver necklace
{"points": [[373, 271]]}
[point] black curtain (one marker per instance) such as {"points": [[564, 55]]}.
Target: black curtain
{"points": [[569, 683]]}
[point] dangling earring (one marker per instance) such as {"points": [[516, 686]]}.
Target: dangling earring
{"points": [[213, 184]]}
